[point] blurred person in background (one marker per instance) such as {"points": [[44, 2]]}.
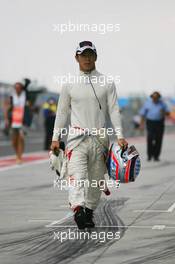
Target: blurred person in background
{"points": [[153, 113], [7, 106], [14, 116], [136, 121], [29, 110], [49, 112]]}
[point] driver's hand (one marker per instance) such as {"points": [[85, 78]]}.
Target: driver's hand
{"points": [[123, 143], [55, 145]]}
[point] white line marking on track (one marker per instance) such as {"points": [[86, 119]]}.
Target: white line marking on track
{"points": [[64, 206], [171, 208], [155, 227], [40, 220], [151, 211], [158, 227], [53, 224], [12, 167], [69, 215]]}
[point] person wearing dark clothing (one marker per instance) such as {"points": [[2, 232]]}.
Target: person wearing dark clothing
{"points": [[153, 113], [49, 111]]}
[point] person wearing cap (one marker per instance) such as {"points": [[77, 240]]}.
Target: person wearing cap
{"points": [[89, 104], [153, 112]]}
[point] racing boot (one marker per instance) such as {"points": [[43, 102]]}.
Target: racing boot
{"points": [[89, 218], [80, 217]]}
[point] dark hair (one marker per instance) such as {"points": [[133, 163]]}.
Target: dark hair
{"points": [[19, 83], [155, 93]]}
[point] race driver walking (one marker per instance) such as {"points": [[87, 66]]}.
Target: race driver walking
{"points": [[89, 103]]}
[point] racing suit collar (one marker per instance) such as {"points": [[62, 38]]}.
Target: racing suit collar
{"points": [[93, 72]]}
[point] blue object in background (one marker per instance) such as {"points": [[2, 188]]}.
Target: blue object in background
{"points": [[123, 102], [172, 100]]}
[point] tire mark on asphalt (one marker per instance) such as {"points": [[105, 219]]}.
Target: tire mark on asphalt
{"points": [[137, 220], [167, 253], [38, 246]]}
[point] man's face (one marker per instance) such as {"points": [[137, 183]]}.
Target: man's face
{"points": [[155, 98], [51, 102], [86, 60], [18, 88]]}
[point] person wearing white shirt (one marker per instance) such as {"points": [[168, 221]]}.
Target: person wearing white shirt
{"points": [[17, 104], [89, 104]]}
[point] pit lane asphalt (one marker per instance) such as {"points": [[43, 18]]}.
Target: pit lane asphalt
{"points": [[143, 212]]}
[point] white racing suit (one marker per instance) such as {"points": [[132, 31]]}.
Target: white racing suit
{"points": [[88, 110], [86, 169]]}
